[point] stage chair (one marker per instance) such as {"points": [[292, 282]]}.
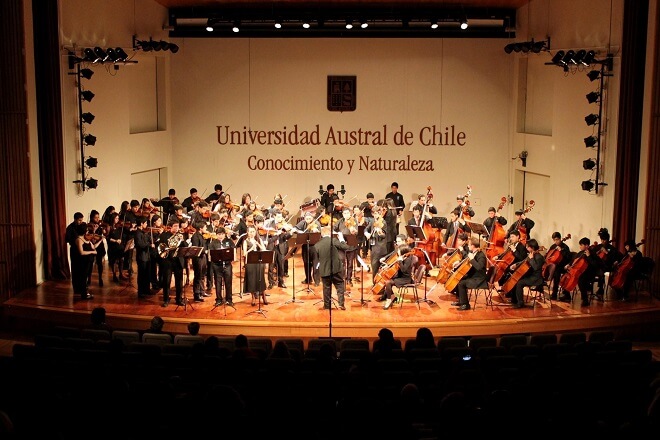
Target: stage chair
{"points": [[406, 288], [487, 288], [645, 276]]}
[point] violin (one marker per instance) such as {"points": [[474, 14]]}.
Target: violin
{"points": [[268, 231]]}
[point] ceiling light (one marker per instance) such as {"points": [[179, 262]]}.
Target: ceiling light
{"points": [[87, 117], [464, 23], [90, 140], [364, 24], [588, 164], [590, 141], [349, 24], [87, 95], [591, 119], [305, 24], [236, 27], [86, 73]]}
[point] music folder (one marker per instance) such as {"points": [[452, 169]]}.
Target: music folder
{"points": [[439, 222], [189, 251], [222, 255]]}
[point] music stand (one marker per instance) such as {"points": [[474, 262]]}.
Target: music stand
{"points": [[239, 245], [292, 243], [222, 256], [260, 257], [310, 239], [360, 237], [187, 252], [362, 301], [478, 228], [438, 222]]}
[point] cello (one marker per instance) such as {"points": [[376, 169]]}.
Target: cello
{"points": [[447, 266], [502, 264], [458, 274], [523, 230], [520, 271], [553, 256], [387, 273], [497, 235], [569, 279], [620, 273]]}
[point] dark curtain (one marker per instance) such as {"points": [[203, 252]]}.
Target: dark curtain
{"points": [[51, 151], [631, 104]]}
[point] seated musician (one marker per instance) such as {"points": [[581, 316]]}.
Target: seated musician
{"points": [[377, 238], [309, 225], [462, 247], [406, 261], [558, 268], [416, 219], [609, 256], [463, 206], [585, 281], [519, 254], [475, 277], [454, 227], [632, 252], [422, 202], [533, 277]]}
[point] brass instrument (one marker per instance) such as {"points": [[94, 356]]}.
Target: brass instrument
{"points": [[172, 243]]}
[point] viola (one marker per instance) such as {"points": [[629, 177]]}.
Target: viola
{"points": [[520, 271]]}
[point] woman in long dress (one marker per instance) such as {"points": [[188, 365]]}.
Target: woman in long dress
{"points": [[255, 274]]}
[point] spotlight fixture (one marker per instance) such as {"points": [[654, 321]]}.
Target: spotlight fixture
{"points": [[87, 95], [112, 55], [568, 58], [558, 57], [121, 55], [588, 58], [464, 23], [90, 183], [593, 75], [349, 24], [517, 47], [90, 56], [579, 56], [591, 119], [590, 141], [592, 97], [86, 73], [101, 55], [538, 46], [87, 117], [588, 185], [90, 140], [91, 162], [509, 47], [174, 48], [588, 164]]}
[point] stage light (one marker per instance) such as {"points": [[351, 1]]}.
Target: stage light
{"points": [[434, 24], [121, 55], [236, 27], [87, 117], [591, 119], [588, 185], [174, 48], [112, 55], [464, 23], [593, 75], [145, 46], [349, 24], [91, 162], [209, 26], [90, 140], [592, 97], [517, 47], [364, 24], [558, 57], [87, 95], [579, 56], [568, 58], [588, 58], [590, 141], [306, 24], [90, 183], [538, 46], [588, 164], [101, 55], [86, 73], [90, 56], [509, 48]]}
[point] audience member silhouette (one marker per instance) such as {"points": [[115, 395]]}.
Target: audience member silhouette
{"points": [[98, 320]]}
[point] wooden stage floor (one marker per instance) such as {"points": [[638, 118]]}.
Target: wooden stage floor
{"points": [[53, 303]]}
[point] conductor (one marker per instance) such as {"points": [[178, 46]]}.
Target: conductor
{"points": [[330, 266]]}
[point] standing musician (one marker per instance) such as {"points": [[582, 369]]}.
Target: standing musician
{"points": [[558, 269], [328, 201], [147, 209], [426, 205], [143, 245], [475, 277], [388, 211], [407, 262], [130, 227], [199, 263], [222, 270], [201, 213], [279, 232], [463, 206], [167, 203], [519, 254], [455, 226], [309, 254], [398, 204], [330, 266], [254, 281], [154, 271], [609, 256], [493, 217], [362, 220], [98, 234], [178, 216], [214, 225], [215, 197], [368, 205], [189, 202], [463, 248], [376, 237], [115, 247], [347, 226], [533, 277], [521, 221], [585, 281], [171, 265]]}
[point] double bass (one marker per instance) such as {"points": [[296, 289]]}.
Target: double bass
{"points": [[621, 271], [465, 214], [497, 235], [523, 230], [430, 244]]}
